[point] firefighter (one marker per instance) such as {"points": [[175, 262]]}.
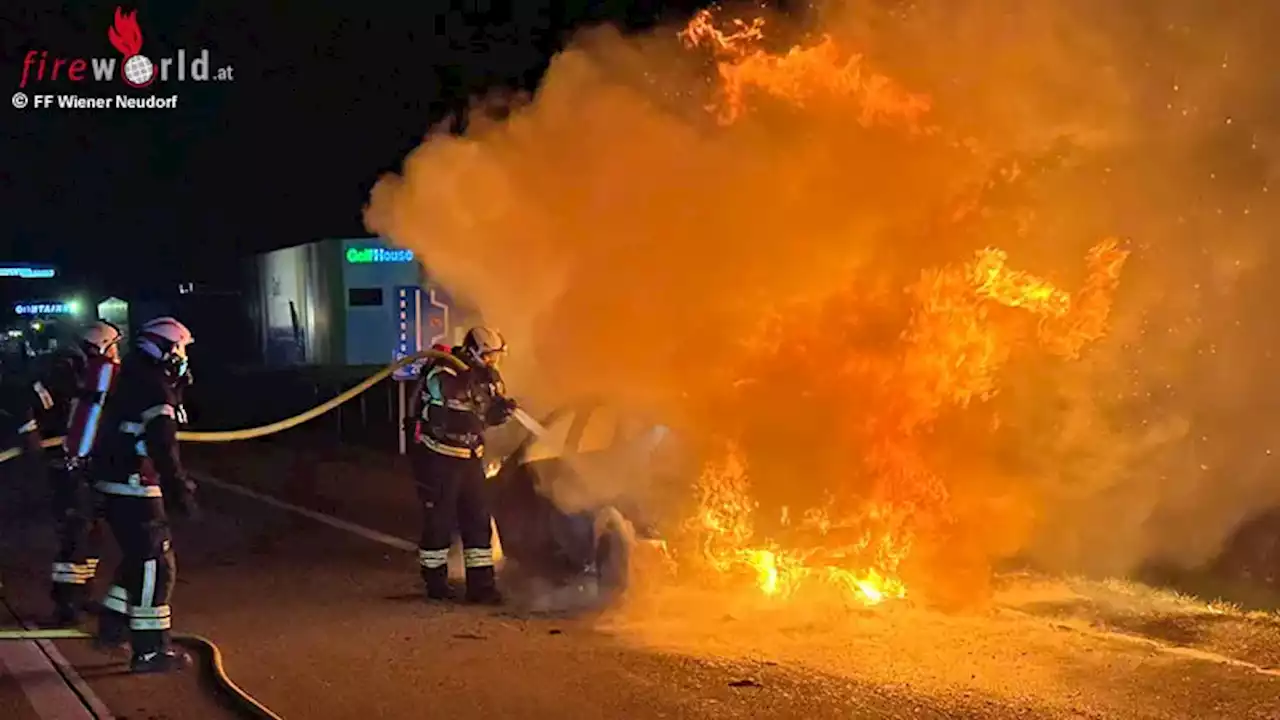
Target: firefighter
{"points": [[137, 468], [24, 399], [75, 511], [456, 406]]}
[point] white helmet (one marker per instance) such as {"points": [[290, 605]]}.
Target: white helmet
{"points": [[484, 345], [101, 337], [166, 340]]}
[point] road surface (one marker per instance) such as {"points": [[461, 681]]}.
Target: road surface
{"points": [[320, 622]]}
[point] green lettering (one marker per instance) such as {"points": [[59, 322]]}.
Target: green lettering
{"points": [[378, 255]]}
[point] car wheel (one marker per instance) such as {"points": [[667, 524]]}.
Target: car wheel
{"points": [[614, 539]]}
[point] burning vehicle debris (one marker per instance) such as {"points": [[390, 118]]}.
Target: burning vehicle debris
{"points": [[851, 304], [571, 501]]}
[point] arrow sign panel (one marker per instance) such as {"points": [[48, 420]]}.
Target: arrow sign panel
{"points": [[437, 318]]}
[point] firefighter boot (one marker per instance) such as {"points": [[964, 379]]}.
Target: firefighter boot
{"points": [[436, 583], [481, 587], [67, 601], [64, 615], [159, 661], [153, 653], [113, 633]]}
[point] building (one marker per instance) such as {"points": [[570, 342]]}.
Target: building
{"points": [[347, 302], [38, 307]]}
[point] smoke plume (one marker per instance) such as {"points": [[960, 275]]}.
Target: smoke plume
{"points": [[629, 239]]}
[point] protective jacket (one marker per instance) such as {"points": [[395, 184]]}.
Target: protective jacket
{"points": [[137, 453], [456, 405]]}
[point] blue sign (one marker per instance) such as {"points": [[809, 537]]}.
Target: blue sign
{"points": [[45, 308], [27, 273], [408, 310], [370, 256]]}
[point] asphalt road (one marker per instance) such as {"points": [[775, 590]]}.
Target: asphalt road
{"points": [[321, 623]]}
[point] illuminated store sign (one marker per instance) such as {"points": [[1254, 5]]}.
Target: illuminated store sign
{"points": [[370, 256], [27, 273], [46, 308]]}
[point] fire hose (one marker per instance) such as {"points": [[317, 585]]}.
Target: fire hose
{"points": [[287, 423], [211, 656], [209, 653]]}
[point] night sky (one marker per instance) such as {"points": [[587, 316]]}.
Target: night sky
{"points": [[326, 96]]}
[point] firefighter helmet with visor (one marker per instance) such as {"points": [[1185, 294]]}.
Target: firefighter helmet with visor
{"points": [[484, 345], [166, 340]]}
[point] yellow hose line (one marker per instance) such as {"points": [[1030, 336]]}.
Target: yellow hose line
{"points": [[45, 634], [203, 645], [287, 423], [248, 702]]}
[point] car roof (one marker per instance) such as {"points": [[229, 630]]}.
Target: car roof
{"points": [[584, 428]]}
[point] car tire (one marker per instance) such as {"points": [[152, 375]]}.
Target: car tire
{"points": [[613, 554]]}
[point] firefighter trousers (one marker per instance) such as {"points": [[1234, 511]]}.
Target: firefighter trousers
{"points": [[76, 520], [452, 493], [137, 604]]}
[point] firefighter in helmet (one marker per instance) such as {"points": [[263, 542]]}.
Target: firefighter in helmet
{"points": [[75, 511], [24, 401], [137, 468], [456, 405]]}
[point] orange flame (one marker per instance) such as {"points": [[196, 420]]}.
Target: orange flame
{"points": [[952, 351], [125, 34], [956, 340], [800, 76]]}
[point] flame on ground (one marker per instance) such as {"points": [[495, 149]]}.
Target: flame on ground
{"points": [[951, 353], [724, 524]]}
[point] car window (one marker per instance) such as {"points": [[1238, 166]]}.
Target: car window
{"points": [[600, 431], [631, 430], [552, 444]]}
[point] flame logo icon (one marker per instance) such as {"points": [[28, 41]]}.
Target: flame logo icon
{"points": [[137, 70]]}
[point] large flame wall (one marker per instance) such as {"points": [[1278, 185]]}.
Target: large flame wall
{"points": [[864, 263]]}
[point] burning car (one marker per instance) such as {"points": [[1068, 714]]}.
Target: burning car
{"points": [[571, 502]]}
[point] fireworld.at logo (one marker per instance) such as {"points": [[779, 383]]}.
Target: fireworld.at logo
{"points": [[135, 69]]}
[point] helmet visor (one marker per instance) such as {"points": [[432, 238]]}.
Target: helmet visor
{"points": [[493, 358]]}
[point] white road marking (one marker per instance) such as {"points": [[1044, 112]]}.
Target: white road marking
{"points": [[456, 569], [331, 521], [1188, 653]]}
